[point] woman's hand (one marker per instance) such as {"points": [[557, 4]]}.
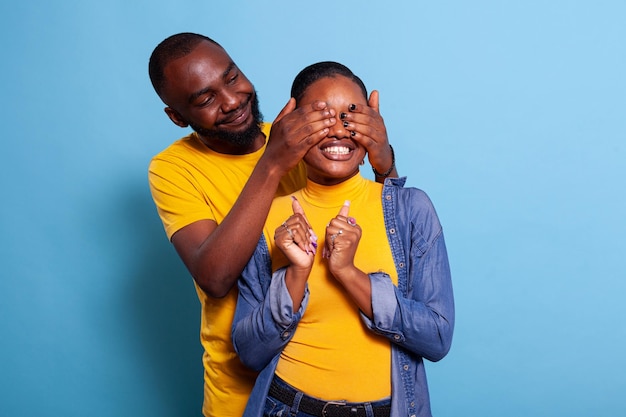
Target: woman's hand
{"points": [[342, 239], [298, 242], [295, 238], [343, 235]]}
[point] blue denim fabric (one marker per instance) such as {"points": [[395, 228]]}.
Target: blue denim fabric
{"points": [[417, 315]]}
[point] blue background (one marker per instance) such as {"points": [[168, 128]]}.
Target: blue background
{"points": [[511, 115]]}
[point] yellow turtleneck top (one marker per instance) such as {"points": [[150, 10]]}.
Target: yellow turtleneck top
{"points": [[332, 354]]}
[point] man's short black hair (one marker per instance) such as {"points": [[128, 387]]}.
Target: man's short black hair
{"points": [[170, 49]]}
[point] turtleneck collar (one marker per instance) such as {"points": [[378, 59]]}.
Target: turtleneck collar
{"points": [[333, 195]]}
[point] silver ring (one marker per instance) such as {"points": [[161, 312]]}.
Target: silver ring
{"points": [[288, 230], [333, 237], [340, 231]]}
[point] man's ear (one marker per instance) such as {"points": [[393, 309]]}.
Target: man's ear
{"points": [[175, 117]]}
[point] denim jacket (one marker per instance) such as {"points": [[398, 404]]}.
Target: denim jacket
{"points": [[417, 315]]}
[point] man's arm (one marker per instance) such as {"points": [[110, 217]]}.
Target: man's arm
{"points": [[216, 254]]}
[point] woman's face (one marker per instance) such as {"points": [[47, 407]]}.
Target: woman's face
{"points": [[335, 158]]}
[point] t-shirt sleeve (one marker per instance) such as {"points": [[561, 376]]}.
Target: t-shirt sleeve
{"points": [[178, 200]]}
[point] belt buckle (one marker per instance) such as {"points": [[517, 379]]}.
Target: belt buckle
{"points": [[324, 410]]}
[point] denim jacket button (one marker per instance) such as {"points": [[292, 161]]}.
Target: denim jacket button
{"points": [[392, 231], [286, 334], [401, 264], [406, 367], [388, 197]]}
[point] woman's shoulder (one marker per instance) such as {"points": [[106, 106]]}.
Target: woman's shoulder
{"points": [[414, 206], [408, 194]]}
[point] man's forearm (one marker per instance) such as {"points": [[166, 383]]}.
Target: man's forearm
{"points": [[219, 259]]}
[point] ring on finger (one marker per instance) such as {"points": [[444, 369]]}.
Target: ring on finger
{"points": [[351, 221], [289, 231]]}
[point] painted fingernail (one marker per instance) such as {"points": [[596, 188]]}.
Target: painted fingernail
{"points": [[345, 124], [343, 115], [352, 133], [352, 107]]}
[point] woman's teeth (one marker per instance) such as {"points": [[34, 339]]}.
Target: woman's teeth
{"points": [[337, 150]]}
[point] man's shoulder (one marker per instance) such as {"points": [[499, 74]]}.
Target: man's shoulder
{"points": [[266, 127], [184, 145]]}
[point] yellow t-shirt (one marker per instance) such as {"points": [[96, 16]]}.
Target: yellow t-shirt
{"points": [[190, 182], [332, 354]]}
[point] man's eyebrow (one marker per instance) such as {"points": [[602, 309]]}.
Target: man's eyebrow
{"points": [[205, 90], [197, 94], [230, 67]]}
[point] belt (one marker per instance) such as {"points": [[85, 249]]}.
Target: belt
{"points": [[322, 408]]}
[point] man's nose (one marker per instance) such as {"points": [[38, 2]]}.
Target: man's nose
{"points": [[230, 101]]}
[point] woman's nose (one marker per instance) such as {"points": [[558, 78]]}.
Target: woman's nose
{"points": [[339, 129]]}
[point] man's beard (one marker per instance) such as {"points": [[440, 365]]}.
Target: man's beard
{"points": [[241, 139]]}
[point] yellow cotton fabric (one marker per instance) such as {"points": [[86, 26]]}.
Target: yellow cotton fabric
{"points": [[332, 354], [190, 182]]}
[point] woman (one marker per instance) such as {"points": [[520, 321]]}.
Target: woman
{"points": [[344, 330]]}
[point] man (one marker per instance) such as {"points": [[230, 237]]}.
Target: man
{"points": [[213, 188]]}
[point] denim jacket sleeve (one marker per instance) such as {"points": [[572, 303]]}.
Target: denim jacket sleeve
{"points": [[418, 313], [264, 318]]}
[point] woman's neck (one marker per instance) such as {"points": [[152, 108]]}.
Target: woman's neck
{"points": [[333, 195]]}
